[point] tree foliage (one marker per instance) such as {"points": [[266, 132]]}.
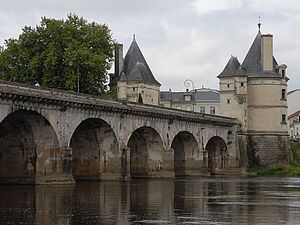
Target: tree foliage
{"points": [[56, 51]]}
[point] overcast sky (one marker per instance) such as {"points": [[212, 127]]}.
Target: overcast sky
{"points": [[180, 39]]}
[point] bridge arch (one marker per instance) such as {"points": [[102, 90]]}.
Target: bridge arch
{"points": [[95, 151], [185, 148], [147, 155], [217, 154], [29, 148]]}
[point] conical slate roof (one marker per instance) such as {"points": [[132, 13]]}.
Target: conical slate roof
{"points": [[135, 66], [252, 61], [231, 67], [252, 64]]}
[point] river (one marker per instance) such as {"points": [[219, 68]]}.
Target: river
{"points": [[155, 201]]}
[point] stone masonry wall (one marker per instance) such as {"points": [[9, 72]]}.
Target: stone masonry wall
{"points": [[268, 150]]}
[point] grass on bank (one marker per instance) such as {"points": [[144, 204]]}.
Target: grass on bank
{"points": [[286, 170]]}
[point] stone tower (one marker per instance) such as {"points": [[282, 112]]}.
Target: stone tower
{"points": [[254, 92], [133, 77]]}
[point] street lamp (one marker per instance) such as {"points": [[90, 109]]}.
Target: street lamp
{"points": [[187, 84], [78, 74]]}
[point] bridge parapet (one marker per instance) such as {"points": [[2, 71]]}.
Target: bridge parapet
{"points": [[51, 96]]}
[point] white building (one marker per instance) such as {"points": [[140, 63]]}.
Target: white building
{"points": [[202, 100], [293, 98]]}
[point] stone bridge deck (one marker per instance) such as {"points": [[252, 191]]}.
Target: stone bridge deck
{"points": [[50, 135]]}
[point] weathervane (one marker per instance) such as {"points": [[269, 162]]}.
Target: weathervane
{"points": [[259, 23]]}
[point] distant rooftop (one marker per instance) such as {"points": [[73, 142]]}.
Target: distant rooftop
{"points": [[203, 94]]}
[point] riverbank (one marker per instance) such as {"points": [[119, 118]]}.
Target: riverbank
{"points": [[289, 170]]}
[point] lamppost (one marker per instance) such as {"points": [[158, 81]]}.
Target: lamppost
{"points": [[78, 74], [187, 84]]}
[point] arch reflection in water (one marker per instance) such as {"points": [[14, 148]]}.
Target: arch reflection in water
{"points": [[158, 201]]}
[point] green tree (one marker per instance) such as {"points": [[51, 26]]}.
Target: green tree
{"points": [[56, 51]]}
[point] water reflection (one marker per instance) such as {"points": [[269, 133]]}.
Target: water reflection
{"points": [[166, 201]]}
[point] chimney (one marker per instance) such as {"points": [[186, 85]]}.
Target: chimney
{"points": [[118, 59], [267, 52]]}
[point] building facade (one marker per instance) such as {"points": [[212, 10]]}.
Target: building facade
{"points": [[293, 114], [254, 92], [202, 100], [294, 126], [133, 78]]}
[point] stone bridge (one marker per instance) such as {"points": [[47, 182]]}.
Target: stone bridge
{"points": [[49, 135]]}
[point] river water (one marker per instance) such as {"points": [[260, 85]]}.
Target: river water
{"points": [[155, 201]]}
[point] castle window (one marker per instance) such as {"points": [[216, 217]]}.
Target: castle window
{"points": [[202, 109], [228, 101], [228, 85], [212, 110], [242, 84], [133, 89], [282, 94], [283, 118]]}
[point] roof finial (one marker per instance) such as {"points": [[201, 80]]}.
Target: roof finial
{"points": [[259, 23], [134, 37]]}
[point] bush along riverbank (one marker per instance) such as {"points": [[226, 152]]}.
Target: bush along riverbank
{"points": [[290, 170]]}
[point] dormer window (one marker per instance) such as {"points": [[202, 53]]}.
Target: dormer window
{"points": [[283, 73], [187, 98]]}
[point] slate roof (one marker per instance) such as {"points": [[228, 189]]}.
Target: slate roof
{"points": [[209, 95], [135, 67], [251, 65], [231, 67]]}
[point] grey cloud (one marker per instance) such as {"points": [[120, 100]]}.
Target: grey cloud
{"points": [[180, 39]]}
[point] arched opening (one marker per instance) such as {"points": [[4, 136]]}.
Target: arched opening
{"points": [[185, 148], [217, 154], [28, 148], [95, 151], [146, 149]]}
